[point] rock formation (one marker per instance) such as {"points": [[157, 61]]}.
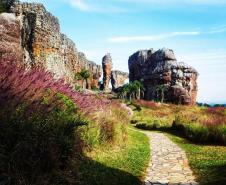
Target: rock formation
{"points": [[107, 67], [118, 79], [32, 34], [10, 42], [160, 69]]}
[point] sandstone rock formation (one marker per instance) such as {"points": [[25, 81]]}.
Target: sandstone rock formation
{"points": [[29, 30], [107, 67], [161, 69], [10, 43], [118, 79]]}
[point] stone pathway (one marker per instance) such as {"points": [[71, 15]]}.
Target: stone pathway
{"points": [[168, 164]]}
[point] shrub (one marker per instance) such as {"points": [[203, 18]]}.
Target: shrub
{"points": [[196, 132], [38, 125], [107, 127], [221, 133]]}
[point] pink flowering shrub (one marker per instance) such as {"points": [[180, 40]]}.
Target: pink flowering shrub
{"points": [[39, 118], [42, 124]]}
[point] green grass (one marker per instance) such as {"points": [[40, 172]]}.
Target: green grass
{"points": [[114, 166], [198, 124], [207, 161]]}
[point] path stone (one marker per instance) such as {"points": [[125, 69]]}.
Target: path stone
{"points": [[168, 164]]}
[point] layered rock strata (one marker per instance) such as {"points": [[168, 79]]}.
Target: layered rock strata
{"points": [[160, 71]]}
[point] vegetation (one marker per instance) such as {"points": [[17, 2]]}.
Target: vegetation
{"points": [[3, 8], [83, 75], [198, 124], [160, 92], [132, 90], [207, 161], [51, 134], [118, 165], [38, 126]]}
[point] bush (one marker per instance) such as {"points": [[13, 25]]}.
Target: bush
{"points": [[38, 126], [107, 127], [3, 8], [199, 132], [196, 132], [153, 125]]}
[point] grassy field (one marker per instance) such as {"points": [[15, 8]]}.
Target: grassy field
{"points": [[113, 166], [208, 162], [198, 124]]}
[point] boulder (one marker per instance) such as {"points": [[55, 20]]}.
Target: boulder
{"points": [[160, 69]]}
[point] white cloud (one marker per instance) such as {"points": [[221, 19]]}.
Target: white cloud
{"points": [[219, 29], [80, 4], [95, 6], [122, 39], [125, 39]]}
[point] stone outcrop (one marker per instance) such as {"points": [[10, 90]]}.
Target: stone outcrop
{"points": [[118, 79], [107, 67], [33, 35], [160, 69], [10, 42]]}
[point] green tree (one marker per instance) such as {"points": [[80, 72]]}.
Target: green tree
{"points": [[160, 90], [83, 75], [131, 90]]}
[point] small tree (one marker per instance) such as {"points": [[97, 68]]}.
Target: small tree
{"points": [[131, 90], [83, 75], [160, 90]]}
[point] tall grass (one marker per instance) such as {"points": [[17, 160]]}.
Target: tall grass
{"points": [[44, 123], [107, 127], [38, 124], [203, 125]]}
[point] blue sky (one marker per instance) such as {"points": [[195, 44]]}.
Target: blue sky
{"points": [[194, 29]]}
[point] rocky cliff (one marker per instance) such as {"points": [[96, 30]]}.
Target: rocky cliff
{"points": [[31, 34], [162, 75], [118, 79]]}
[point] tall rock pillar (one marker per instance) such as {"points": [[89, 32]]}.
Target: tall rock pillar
{"points": [[107, 67]]}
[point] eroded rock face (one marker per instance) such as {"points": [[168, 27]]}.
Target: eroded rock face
{"points": [[118, 79], [160, 68], [107, 67], [10, 43], [37, 35]]}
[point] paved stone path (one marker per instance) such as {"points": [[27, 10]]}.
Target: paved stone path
{"points": [[168, 164]]}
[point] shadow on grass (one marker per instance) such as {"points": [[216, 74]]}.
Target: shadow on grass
{"points": [[94, 173], [216, 175]]}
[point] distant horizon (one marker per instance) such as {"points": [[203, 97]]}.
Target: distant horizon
{"points": [[194, 29]]}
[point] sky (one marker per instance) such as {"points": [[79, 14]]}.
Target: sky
{"points": [[194, 29]]}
